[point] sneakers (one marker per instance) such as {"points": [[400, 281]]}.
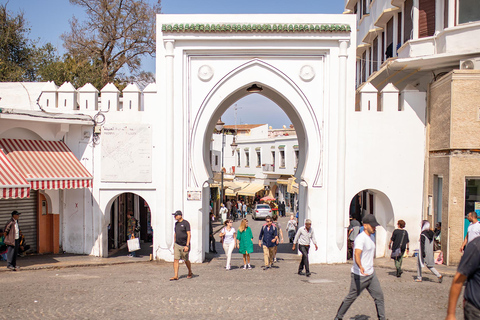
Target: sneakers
{"points": [[244, 267], [11, 268], [301, 273], [440, 279], [308, 274], [249, 267], [227, 268]]}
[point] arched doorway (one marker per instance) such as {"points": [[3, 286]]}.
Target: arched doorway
{"points": [[371, 201], [117, 228], [304, 74]]}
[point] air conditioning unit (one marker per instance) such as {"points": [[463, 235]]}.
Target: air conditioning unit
{"points": [[470, 64]]}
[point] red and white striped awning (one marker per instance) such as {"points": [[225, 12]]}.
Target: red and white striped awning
{"points": [[12, 183], [46, 164]]}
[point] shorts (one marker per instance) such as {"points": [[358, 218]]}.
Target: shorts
{"points": [[179, 254]]}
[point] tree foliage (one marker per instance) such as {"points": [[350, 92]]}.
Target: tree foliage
{"points": [[116, 33], [15, 48]]}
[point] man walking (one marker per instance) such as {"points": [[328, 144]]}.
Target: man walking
{"points": [[473, 229], [468, 270], [181, 246], [211, 237], [303, 237], [268, 240], [363, 276], [12, 240]]}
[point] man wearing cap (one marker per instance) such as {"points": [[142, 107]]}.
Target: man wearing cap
{"points": [[12, 240], [363, 276], [181, 246]]}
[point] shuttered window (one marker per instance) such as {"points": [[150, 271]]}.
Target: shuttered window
{"points": [[375, 54], [389, 43], [399, 30], [363, 66], [28, 217], [407, 20], [426, 18]]}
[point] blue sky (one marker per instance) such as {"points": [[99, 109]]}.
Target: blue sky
{"points": [[48, 19]]}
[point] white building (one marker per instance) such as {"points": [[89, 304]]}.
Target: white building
{"points": [[429, 50], [150, 152], [263, 159]]}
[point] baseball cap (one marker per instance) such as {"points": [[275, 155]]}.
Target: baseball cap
{"points": [[370, 219], [14, 212], [177, 213]]}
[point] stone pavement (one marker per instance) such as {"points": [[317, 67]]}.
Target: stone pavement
{"points": [[143, 291]]}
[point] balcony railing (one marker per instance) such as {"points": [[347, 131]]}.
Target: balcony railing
{"points": [[268, 167]]}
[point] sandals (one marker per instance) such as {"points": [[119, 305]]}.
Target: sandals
{"points": [[418, 280], [173, 279], [190, 275]]}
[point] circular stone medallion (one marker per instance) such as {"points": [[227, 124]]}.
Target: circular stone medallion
{"points": [[307, 73], [205, 73]]}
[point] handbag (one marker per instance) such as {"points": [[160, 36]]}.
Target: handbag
{"points": [[133, 244], [221, 238], [398, 252]]}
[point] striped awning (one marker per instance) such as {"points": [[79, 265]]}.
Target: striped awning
{"points": [[12, 183], [46, 164]]}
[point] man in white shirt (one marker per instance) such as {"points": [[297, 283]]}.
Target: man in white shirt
{"points": [[473, 229], [303, 237], [363, 276]]}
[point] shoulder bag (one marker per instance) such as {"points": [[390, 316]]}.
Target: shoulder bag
{"points": [[398, 252]]}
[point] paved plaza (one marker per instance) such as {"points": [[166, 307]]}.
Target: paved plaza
{"points": [[138, 289]]}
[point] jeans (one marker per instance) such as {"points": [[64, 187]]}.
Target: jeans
{"points": [[304, 262], [12, 253], [470, 312], [419, 270], [228, 248], [291, 235], [358, 284], [268, 253]]}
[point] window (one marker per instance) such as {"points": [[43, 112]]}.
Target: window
{"points": [[375, 54], [282, 158], [426, 19], [468, 11], [472, 200], [238, 158], [216, 160], [437, 198], [247, 158], [259, 158], [296, 153], [407, 20], [273, 158]]}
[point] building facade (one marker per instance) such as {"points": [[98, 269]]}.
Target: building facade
{"points": [[430, 47]]}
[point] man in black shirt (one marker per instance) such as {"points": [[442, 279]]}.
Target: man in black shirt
{"points": [[468, 270], [181, 246]]}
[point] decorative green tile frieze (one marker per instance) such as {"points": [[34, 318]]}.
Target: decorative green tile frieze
{"points": [[255, 28]]}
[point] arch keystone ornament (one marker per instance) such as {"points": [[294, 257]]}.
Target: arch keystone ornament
{"points": [[299, 64]]}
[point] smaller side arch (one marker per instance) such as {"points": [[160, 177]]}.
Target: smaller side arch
{"points": [[377, 202]]}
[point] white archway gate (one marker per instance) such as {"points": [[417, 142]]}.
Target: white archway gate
{"points": [[305, 64]]}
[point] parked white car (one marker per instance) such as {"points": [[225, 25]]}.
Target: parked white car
{"points": [[261, 211]]}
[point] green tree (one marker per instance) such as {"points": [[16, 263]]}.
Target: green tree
{"points": [[116, 34], [15, 48]]}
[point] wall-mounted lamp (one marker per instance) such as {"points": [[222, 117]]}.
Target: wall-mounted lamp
{"points": [[254, 89]]}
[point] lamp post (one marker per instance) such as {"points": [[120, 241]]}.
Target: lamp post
{"points": [[219, 128]]}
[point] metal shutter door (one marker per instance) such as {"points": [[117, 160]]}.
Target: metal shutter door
{"points": [[28, 218]]}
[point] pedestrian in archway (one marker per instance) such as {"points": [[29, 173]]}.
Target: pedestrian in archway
{"points": [[267, 240], [292, 228], [131, 226], [245, 243], [229, 240], [211, 237], [425, 254], [12, 240], [399, 243], [181, 247], [473, 229], [363, 275], [304, 236], [280, 236]]}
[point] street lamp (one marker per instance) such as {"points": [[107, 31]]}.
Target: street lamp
{"points": [[219, 127], [254, 89]]}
